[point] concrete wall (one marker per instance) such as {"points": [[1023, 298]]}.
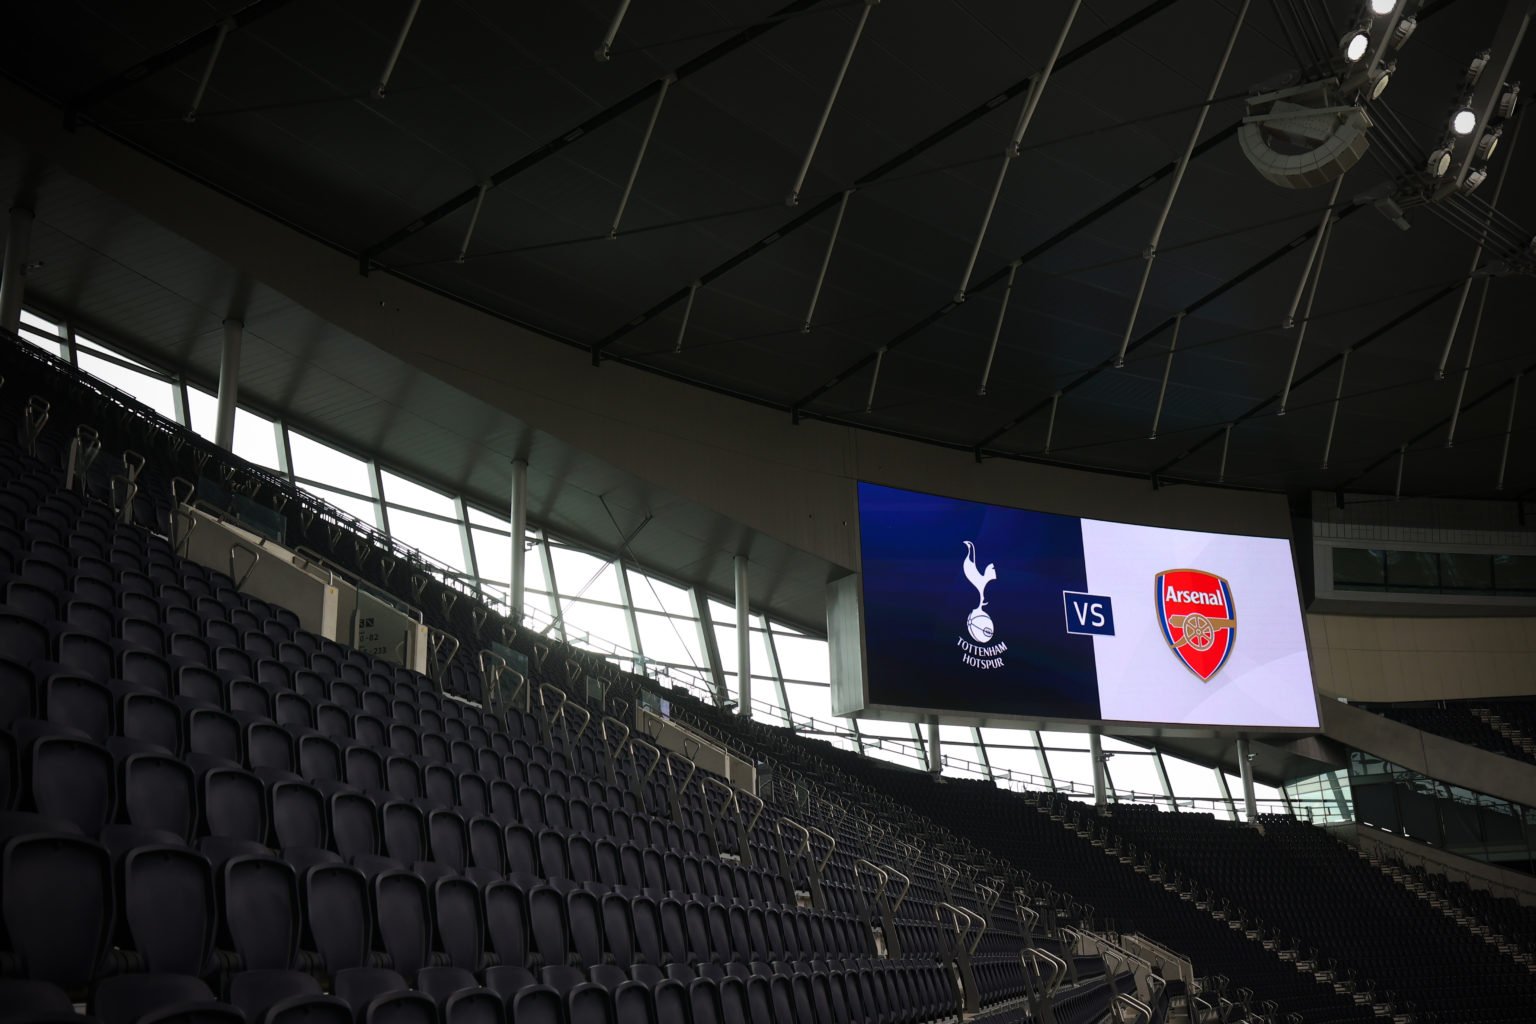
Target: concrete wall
{"points": [[1379, 658]]}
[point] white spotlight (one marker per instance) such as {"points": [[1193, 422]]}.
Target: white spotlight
{"points": [[1439, 162], [1355, 43], [1404, 29], [1383, 6], [1464, 121], [1489, 142]]}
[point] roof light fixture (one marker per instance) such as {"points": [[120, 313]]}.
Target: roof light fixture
{"points": [[1474, 178], [1489, 142], [1508, 99], [1475, 69], [1464, 121], [1404, 29], [1356, 41], [1439, 162], [1382, 80]]}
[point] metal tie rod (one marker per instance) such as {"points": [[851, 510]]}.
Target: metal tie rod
{"points": [[645, 142], [826, 261], [474, 218], [1509, 429], [1324, 236], [394, 54], [1333, 416], [1466, 369], [1226, 443], [605, 48], [874, 380], [1050, 426], [1162, 391], [1312, 254], [997, 328], [793, 199], [1031, 101], [1402, 458], [1178, 179], [225, 28], [682, 328]]}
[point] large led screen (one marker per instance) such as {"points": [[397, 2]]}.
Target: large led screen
{"points": [[999, 611]]}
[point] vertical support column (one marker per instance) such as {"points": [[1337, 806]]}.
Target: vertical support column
{"points": [[18, 241], [1245, 769], [1100, 778], [518, 523], [935, 763], [229, 384], [743, 641]]}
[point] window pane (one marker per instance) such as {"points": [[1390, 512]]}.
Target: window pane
{"points": [[1355, 568], [438, 540], [493, 556], [1466, 572], [1515, 573], [1192, 781], [598, 627], [725, 643], [400, 491], [324, 464], [255, 435], [1072, 770], [367, 511], [1412, 570], [803, 657], [670, 640], [578, 574], [1134, 773], [659, 595], [45, 334], [1066, 740], [479, 517], [158, 394], [809, 701], [1025, 763]]}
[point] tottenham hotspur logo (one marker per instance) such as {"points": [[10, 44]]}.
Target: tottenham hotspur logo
{"points": [[984, 653]]}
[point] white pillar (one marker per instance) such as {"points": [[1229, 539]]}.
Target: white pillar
{"points": [[1100, 777], [18, 239], [1245, 769], [935, 765], [743, 641], [229, 384], [518, 523]]}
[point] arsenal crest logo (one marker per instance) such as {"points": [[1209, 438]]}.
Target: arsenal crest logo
{"points": [[1195, 609]]}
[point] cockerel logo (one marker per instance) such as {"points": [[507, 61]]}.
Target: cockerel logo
{"points": [[978, 623]]}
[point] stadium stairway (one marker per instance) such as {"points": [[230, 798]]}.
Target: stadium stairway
{"points": [[1499, 921]]}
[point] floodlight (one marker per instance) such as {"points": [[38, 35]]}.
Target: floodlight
{"points": [[1404, 29], [1356, 42], [1439, 162], [1464, 121], [1383, 6], [1508, 98], [1473, 179], [1383, 79], [1475, 69], [1489, 142]]}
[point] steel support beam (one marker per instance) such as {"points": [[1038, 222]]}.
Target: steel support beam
{"points": [[517, 523], [229, 383], [743, 638], [13, 271]]}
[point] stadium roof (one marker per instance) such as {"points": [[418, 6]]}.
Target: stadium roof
{"points": [[510, 97]]}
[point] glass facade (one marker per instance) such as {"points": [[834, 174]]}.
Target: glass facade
{"points": [[637, 614], [1398, 800], [1431, 572]]}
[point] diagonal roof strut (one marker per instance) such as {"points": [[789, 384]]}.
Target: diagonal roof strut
{"points": [[900, 159], [610, 113]]}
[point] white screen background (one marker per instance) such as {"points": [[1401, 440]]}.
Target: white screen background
{"points": [[1267, 679]]}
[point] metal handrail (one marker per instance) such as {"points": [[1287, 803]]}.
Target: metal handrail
{"points": [[906, 887], [831, 845], [1135, 1005], [880, 875], [761, 806], [237, 546], [586, 720], [805, 834], [693, 768], [636, 743], [602, 729]]}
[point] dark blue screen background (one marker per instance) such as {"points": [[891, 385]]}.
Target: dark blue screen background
{"points": [[917, 598]]}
